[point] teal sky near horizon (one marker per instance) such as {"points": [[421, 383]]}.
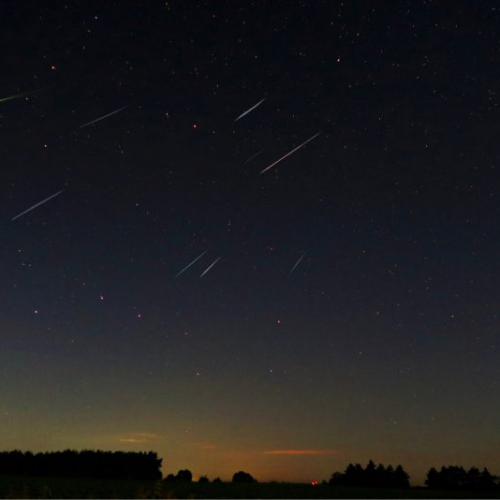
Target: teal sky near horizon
{"points": [[245, 294]]}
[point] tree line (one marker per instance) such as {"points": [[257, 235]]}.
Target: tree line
{"points": [[186, 476], [455, 477], [87, 463], [452, 477], [147, 466], [372, 476]]}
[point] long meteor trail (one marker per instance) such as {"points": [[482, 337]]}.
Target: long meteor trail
{"points": [[291, 152], [12, 97], [210, 267], [191, 263], [249, 110], [103, 117], [37, 205]]}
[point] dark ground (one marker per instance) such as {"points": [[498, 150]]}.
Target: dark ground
{"points": [[43, 487]]}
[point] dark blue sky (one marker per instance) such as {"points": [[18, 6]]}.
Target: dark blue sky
{"points": [[381, 344]]}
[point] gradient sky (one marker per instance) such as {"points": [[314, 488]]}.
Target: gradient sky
{"points": [[382, 343]]}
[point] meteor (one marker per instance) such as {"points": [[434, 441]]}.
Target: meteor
{"points": [[297, 263], [37, 205], [250, 110], [191, 263], [210, 267], [291, 152], [254, 156], [5, 99], [12, 97], [103, 117]]}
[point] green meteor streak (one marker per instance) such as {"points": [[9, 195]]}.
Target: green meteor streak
{"points": [[12, 97], [5, 99]]}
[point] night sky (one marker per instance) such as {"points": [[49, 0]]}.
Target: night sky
{"points": [[354, 310]]}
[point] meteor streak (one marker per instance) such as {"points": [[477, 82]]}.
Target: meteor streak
{"points": [[249, 110], [37, 205], [210, 267], [191, 263], [12, 97], [254, 156], [103, 117], [291, 152], [297, 263], [5, 99]]}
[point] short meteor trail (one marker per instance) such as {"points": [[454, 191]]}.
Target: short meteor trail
{"points": [[210, 267], [291, 152], [250, 109], [254, 156], [103, 117], [297, 263], [37, 205], [191, 263]]}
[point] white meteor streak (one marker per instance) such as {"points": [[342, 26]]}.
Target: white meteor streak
{"points": [[191, 263], [291, 152], [210, 267], [103, 117], [297, 263], [250, 109], [254, 156], [37, 205]]}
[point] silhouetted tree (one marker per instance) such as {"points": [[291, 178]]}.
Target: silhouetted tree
{"points": [[337, 479], [400, 478], [203, 480], [217, 480], [473, 478], [389, 474], [184, 476], [432, 480], [455, 477], [381, 475], [358, 474], [487, 481], [353, 476], [243, 477], [369, 477]]}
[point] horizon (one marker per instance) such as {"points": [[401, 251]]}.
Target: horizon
{"points": [[266, 478]]}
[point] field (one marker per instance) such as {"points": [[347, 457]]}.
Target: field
{"points": [[48, 487]]}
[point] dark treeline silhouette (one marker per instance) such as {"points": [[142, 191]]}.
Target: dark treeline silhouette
{"points": [[147, 466], [87, 463], [186, 476], [455, 477], [373, 476]]}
